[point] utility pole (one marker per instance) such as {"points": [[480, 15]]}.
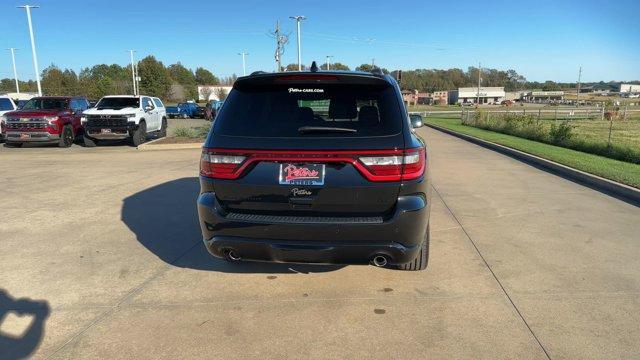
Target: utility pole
{"points": [[328, 62], [33, 45], [281, 41], [244, 64], [133, 73], [298, 19], [578, 88], [15, 72], [479, 80], [373, 63]]}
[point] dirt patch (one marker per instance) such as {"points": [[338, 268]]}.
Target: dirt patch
{"points": [[176, 140]]}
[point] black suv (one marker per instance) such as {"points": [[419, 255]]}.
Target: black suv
{"points": [[315, 167]]}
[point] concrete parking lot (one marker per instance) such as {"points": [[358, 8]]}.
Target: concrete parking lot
{"points": [[101, 257]]}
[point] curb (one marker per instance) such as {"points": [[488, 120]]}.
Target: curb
{"points": [[613, 188], [149, 146]]}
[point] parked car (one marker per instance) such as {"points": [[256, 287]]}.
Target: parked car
{"points": [[47, 119], [6, 105], [125, 117], [211, 109], [507, 102], [21, 103], [201, 112], [317, 167], [183, 110]]}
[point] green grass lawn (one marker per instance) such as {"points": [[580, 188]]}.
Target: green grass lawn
{"points": [[626, 173], [624, 133]]}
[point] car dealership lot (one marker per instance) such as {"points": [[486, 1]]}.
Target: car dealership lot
{"points": [[523, 264]]}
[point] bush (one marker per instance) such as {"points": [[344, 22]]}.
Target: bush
{"points": [[184, 132], [560, 134], [528, 127]]}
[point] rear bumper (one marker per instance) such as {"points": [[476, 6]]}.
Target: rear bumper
{"points": [[308, 240], [35, 137]]}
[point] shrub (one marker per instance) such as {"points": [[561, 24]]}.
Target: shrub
{"points": [[184, 132], [560, 134]]}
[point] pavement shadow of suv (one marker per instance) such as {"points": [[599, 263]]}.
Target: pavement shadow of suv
{"points": [[165, 222]]}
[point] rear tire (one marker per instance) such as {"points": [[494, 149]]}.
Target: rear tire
{"points": [[163, 129], [88, 142], [140, 135], [421, 261], [66, 137]]}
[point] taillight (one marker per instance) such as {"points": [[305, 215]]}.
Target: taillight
{"points": [[220, 166], [414, 164], [407, 165], [374, 165]]}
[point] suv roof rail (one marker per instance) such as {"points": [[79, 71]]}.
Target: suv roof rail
{"points": [[259, 72]]}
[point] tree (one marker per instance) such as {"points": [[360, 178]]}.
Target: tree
{"points": [[550, 86], [57, 82], [155, 79], [206, 92], [206, 77], [183, 76], [221, 93], [228, 80], [294, 67], [369, 68], [335, 66]]}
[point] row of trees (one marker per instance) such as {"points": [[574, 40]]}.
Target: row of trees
{"points": [[176, 82]]}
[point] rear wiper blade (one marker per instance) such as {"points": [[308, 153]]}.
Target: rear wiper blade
{"points": [[312, 129]]}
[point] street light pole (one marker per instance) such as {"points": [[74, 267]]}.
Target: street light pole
{"points": [[15, 72], [244, 64], [33, 45], [328, 63], [298, 19], [133, 74]]}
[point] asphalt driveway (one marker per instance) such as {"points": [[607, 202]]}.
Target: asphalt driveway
{"points": [[101, 257]]}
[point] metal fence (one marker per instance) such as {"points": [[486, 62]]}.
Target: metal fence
{"points": [[604, 126]]}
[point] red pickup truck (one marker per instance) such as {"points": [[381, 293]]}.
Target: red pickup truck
{"points": [[48, 119]]}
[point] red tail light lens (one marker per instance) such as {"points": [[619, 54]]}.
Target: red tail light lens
{"points": [[220, 166], [406, 165], [374, 165]]}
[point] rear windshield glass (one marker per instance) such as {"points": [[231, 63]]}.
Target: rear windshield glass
{"points": [[117, 103], [46, 104], [347, 110]]}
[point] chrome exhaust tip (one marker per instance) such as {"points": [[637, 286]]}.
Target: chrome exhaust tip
{"points": [[232, 255], [379, 261]]}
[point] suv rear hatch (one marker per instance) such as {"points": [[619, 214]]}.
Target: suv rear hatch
{"points": [[310, 144]]}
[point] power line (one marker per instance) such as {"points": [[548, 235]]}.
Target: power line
{"points": [[281, 41]]}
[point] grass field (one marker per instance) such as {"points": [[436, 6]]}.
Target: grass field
{"points": [[626, 173]]}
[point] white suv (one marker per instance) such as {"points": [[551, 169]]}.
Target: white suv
{"points": [[119, 117]]}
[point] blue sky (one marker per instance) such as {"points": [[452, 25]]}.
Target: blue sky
{"points": [[543, 40]]}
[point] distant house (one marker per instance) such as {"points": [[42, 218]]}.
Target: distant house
{"points": [[629, 88], [471, 95], [21, 95], [543, 96], [212, 92]]}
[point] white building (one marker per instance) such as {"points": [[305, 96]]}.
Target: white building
{"points": [[469, 95], [21, 96], [629, 88], [212, 92]]}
